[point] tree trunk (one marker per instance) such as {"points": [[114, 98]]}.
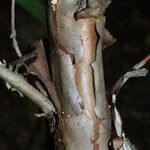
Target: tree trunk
{"points": [[79, 35]]}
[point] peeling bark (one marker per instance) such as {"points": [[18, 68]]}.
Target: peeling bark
{"points": [[77, 27]]}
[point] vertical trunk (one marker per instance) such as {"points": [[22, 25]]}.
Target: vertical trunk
{"points": [[77, 28]]}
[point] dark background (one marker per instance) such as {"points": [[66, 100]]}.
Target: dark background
{"points": [[129, 22]]}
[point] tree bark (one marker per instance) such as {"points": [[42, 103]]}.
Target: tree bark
{"points": [[79, 35]]}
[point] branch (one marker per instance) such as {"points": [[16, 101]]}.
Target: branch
{"points": [[13, 31], [19, 83]]}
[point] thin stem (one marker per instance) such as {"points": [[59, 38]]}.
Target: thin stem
{"points": [[13, 31]]}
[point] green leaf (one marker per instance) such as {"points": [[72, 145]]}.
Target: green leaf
{"points": [[35, 8]]}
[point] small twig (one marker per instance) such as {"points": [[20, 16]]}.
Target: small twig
{"points": [[13, 31], [124, 78], [117, 87], [23, 86], [40, 115], [24, 58], [137, 72], [142, 63]]}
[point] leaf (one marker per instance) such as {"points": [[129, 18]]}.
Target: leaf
{"points": [[35, 8]]}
